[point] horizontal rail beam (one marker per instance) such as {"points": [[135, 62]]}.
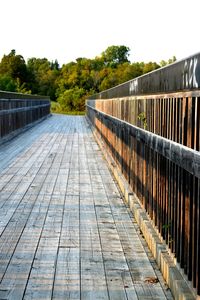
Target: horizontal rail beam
{"points": [[23, 109], [17, 96]]}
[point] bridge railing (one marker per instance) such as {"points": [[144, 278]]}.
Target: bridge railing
{"points": [[155, 141], [20, 110]]}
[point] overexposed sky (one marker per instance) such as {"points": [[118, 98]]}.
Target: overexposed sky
{"points": [[68, 29]]}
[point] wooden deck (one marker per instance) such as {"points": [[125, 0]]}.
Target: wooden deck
{"points": [[65, 232]]}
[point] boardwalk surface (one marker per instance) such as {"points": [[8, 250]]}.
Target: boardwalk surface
{"points": [[64, 230]]}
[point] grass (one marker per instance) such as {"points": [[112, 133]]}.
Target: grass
{"points": [[56, 108]]}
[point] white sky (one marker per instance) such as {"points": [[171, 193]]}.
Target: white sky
{"points": [[68, 29]]}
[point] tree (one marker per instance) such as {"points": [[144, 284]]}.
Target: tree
{"points": [[22, 88], [151, 66], [115, 55], [170, 61], [72, 99], [55, 65], [111, 77], [7, 83], [43, 76], [14, 66]]}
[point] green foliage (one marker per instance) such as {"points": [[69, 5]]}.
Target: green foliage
{"points": [[72, 99], [13, 72], [149, 67], [143, 119], [164, 63], [115, 55], [56, 108], [43, 76], [14, 66], [21, 88], [71, 84], [7, 83]]}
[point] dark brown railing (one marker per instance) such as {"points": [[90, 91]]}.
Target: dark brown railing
{"points": [[19, 110], [155, 141]]}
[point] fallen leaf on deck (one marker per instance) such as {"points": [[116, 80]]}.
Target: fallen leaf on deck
{"points": [[151, 280]]}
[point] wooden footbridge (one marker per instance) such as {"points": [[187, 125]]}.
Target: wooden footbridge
{"points": [[97, 207]]}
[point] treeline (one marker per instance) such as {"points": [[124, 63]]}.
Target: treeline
{"points": [[72, 83]]}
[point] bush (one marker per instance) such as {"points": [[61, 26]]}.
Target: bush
{"points": [[72, 99]]}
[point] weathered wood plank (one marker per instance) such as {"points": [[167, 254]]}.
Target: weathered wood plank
{"points": [[67, 278]]}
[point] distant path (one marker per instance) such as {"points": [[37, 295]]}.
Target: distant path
{"points": [[65, 232]]}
